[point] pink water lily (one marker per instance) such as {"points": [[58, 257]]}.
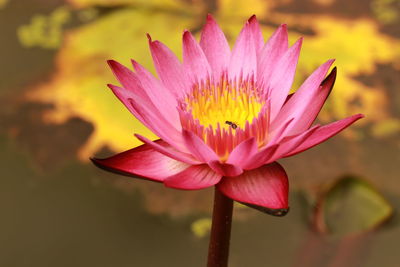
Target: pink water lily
{"points": [[224, 117]]}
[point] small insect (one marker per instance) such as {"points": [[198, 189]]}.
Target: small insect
{"points": [[232, 124]]}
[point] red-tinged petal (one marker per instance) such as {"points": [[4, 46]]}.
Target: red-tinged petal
{"points": [[127, 78], [282, 78], [270, 54], [194, 177], [194, 60], [243, 152], [265, 187], [256, 32], [290, 143], [243, 62], [215, 47], [225, 169], [143, 161], [277, 134], [149, 117], [261, 157], [198, 148], [158, 93], [169, 69], [302, 104], [323, 133], [169, 151], [144, 94], [161, 127], [275, 151], [124, 95]]}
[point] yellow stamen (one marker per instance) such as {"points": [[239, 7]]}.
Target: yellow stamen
{"points": [[214, 105]]}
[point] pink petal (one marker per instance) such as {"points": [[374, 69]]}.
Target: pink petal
{"points": [[161, 127], [243, 62], [124, 95], [143, 93], [324, 133], [198, 148], [194, 60], [225, 169], [277, 134], [274, 151], [265, 187], [261, 157], [128, 79], [256, 32], [169, 69], [270, 54], [302, 104], [282, 78], [169, 151], [162, 98], [192, 178], [142, 161], [243, 152], [289, 143], [215, 47]]}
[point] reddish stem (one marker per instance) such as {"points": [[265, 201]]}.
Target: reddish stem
{"points": [[218, 250]]}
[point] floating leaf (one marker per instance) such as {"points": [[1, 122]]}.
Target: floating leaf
{"points": [[352, 206]]}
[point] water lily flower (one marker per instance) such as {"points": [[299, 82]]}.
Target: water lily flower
{"points": [[224, 117]]}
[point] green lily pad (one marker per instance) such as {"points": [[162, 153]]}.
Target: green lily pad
{"points": [[352, 206]]}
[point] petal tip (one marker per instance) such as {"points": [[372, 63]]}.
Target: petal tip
{"points": [[111, 62], [252, 19], [210, 18], [275, 212], [360, 116], [149, 37]]}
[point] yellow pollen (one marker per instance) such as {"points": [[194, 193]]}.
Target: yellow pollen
{"points": [[224, 104]]}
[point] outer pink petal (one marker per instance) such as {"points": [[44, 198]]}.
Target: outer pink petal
{"points": [[124, 95], [225, 169], [273, 151], [261, 157], [243, 62], [266, 187], [198, 148], [243, 152], [324, 133], [301, 105], [215, 47], [256, 32], [150, 118], [282, 78], [159, 126], [194, 60], [277, 134], [169, 69], [128, 79], [158, 93], [142, 161], [270, 54], [169, 151], [145, 94], [194, 177], [289, 143]]}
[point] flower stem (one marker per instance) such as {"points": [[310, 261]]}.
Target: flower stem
{"points": [[218, 250]]}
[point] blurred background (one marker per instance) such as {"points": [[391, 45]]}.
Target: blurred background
{"points": [[56, 112]]}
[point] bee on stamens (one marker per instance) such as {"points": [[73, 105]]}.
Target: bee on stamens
{"points": [[232, 124]]}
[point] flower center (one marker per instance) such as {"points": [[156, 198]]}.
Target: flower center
{"points": [[226, 113], [224, 105]]}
